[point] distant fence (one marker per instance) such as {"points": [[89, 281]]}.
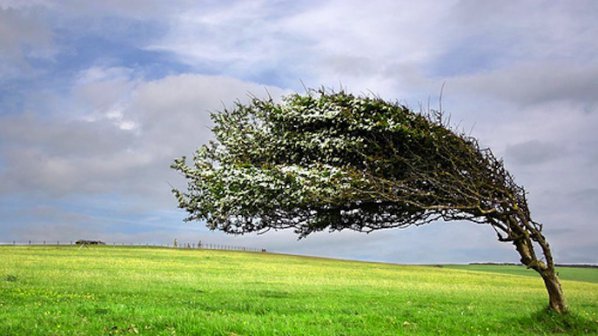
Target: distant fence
{"points": [[174, 245]]}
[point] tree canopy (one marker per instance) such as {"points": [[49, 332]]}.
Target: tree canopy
{"points": [[331, 161]]}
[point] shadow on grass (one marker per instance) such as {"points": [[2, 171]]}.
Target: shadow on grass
{"points": [[548, 322]]}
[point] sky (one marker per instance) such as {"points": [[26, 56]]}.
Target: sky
{"points": [[97, 98]]}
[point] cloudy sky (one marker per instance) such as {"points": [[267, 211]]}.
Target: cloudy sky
{"points": [[98, 97]]}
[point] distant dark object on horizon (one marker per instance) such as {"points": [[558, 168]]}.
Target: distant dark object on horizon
{"points": [[89, 242]]}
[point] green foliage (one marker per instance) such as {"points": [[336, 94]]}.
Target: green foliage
{"points": [[148, 291], [338, 161]]}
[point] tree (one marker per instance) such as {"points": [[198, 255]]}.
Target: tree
{"points": [[332, 160]]}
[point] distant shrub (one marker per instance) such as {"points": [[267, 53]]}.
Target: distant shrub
{"points": [[89, 242]]}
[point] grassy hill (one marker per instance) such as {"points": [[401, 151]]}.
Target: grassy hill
{"points": [[153, 291], [565, 273]]}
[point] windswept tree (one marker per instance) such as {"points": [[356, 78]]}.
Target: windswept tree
{"points": [[333, 161]]}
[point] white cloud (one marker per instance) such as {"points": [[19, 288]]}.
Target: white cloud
{"points": [[350, 42], [103, 74]]}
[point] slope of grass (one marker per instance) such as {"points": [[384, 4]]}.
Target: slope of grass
{"points": [[118, 290], [565, 273]]}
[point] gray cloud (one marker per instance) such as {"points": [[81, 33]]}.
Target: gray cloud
{"points": [[57, 157], [586, 198], [537, 83], [536, 29], [533, 152], [94, 153], [23, 35]]}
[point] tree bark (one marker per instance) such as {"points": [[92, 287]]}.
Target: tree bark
{"points": [[556, 299], [525, 248]]}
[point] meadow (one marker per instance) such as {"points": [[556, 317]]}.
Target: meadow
{"points": [[106, 290], [565, 273]]}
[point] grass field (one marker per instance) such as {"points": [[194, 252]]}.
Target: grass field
{"points": [[152, 291], [565, 273]]}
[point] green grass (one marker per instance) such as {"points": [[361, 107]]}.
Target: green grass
{"points": [[150, 291], [565, 273]]}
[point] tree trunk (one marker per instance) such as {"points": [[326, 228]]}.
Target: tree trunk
{"points": [[556, 299]]}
